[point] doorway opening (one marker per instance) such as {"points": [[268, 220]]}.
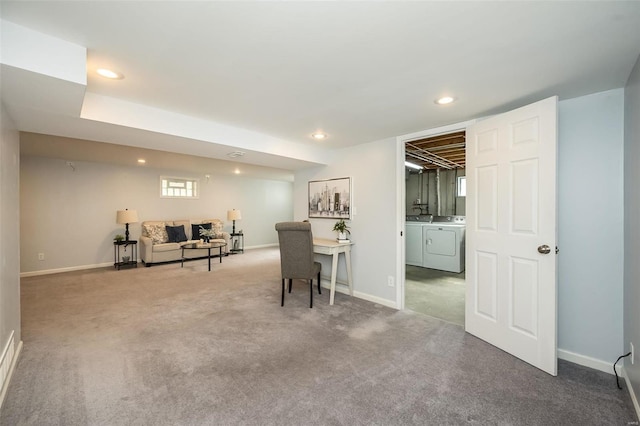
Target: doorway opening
{"points": [[435, 177]]}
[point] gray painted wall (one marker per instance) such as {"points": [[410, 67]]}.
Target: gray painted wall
{"points": [[70, 216], [590, 224], [632, 226], [9, 231], [372, 169]]}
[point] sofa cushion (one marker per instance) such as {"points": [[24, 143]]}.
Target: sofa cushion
{"points": [[176, 234], [157, 233], [187, 226], [195, 230], [166, 247]]}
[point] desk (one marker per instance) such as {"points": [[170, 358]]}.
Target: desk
{"points": [[334, 248]]}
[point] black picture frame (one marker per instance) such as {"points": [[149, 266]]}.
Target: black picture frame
{"points": [[330, 198]]}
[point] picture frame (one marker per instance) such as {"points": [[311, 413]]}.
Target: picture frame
{"points": [[330, 198]]}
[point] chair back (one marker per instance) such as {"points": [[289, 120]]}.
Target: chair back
{"points": [[296, 250]]}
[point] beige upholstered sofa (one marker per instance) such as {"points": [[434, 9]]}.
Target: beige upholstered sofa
{"points": [[154, 245]]}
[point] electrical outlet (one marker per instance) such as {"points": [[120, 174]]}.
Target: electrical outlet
{"points": [[40, 256], [632, 353], [390, 281]]}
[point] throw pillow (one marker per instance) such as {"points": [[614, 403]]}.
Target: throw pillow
{"points": [[157, 233], [195, 230], [176, 234]]}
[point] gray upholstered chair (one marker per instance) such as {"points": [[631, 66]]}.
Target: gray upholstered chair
{"points": [[296, 255]]}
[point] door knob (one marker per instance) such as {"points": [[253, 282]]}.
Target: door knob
{"points": [[544, 249]]}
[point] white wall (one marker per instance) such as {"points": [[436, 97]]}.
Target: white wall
{"points": [[372, 169], [70, 216], [632, 228], [9, 232], [590, 239]]}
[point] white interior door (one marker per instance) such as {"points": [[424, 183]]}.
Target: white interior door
{"points": [[511, 233]]}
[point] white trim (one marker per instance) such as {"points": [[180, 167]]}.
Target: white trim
{"points": [[69, 269], [14, 361], [401, 199], [375, 299], [400, 224], [343, 287], [634, 399], [102, 265], [262, 246], [586, 361]]}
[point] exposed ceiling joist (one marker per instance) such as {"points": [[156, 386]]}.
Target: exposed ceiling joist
{"points": [[442, 151]]}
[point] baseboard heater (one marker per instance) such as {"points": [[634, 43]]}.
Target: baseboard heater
{"points": [[6, 361]]}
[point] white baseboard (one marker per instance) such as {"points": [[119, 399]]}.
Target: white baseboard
{"points": [[69, 269], [343, 287], [631, 392], [262, 246], [10, 366], [596, 364], [375, 299]]}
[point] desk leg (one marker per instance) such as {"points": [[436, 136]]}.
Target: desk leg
{"points": [[209, 256], [334, 273], [347, 258]]}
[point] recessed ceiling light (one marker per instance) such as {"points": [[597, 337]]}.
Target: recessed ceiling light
{"points": [[110, 74], [445, 100], [141, 160], [319, 136], [236, 171]]}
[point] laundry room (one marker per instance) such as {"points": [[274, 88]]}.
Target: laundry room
{"points": [[435, 226]]}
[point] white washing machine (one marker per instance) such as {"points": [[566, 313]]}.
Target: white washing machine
{"points": [[444, 246]]}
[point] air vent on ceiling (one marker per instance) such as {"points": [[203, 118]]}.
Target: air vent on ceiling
{"points": [[235, 154]]}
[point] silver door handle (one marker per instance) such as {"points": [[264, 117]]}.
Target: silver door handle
{"points": [[544, 249]]}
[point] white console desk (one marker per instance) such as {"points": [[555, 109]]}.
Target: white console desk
{"points": [[334, 248]]}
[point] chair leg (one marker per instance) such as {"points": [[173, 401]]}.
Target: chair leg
{"points": [[290, 280], [319, 291], [282, 302], [311, 293]]}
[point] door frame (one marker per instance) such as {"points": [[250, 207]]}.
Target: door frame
{"points": [[401, 198]]}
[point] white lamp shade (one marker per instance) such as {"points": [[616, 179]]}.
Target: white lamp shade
{"points": [[234, 215], [126, 216]]}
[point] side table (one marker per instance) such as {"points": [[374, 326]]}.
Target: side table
{"points": [[237, 243], [126, 260]]}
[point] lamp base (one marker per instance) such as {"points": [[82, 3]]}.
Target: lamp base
{"points": [[234, 227], [126, 232]]}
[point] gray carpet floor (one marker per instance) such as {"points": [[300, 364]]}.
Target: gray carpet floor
{"points": [[439, 294], [182, 346]]}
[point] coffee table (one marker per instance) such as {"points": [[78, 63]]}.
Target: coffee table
{"points": [[201, 246]]}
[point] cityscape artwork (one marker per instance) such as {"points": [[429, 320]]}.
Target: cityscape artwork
{"points": [[330, 198]]}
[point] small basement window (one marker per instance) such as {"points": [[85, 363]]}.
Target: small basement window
{"points": [[172, 187], [462, 186]]}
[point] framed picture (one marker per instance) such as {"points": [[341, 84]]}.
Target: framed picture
{"points": [[330, 198]]}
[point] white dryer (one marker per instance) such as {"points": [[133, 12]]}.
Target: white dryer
{"points": [[444, 246]]}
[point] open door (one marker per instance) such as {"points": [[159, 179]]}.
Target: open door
{"points": [[511, 295]]}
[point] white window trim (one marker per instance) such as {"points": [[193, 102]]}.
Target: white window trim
{"points": [[459, 185], [196, 183]]}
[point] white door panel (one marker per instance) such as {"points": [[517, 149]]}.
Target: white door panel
{"points": [[511, 210]]}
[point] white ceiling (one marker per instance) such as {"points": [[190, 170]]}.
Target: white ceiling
{"points": [[359, 71]]}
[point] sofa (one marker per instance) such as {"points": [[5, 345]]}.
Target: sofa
{"points": [[162, 241]]}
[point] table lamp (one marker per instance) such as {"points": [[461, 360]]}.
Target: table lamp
{"points": [[125, 217], [234, 215]]}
